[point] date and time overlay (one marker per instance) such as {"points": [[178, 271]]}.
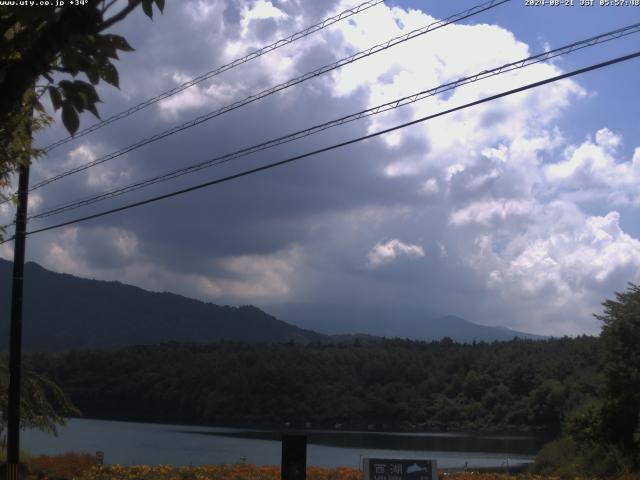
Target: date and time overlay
{"points": [[526, 3], [581, 3]]}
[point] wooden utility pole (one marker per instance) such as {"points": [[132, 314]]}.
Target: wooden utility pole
{"points": [[294, 457], [13, 470]]}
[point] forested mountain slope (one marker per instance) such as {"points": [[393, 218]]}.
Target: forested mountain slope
{"points": [[64, 312]]}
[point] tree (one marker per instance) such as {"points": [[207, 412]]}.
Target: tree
{"points": [[44, 404], [602, 436], [54, 45], [621, 340]]}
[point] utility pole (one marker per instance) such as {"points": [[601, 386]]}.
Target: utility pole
{"points": [[13, 470]]}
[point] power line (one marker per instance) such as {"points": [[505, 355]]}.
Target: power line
{"points": [[338, 145], [252, 98], [589, 42], [315, 73], [212, 73]]}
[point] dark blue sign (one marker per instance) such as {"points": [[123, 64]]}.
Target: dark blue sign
{"points": [[399, 469]]}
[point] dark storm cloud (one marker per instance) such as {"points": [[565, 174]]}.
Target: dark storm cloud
{"points": [[455, 198], [255, 215]]}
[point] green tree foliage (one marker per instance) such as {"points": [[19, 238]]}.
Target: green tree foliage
{"points": [[43, 405], [394, 384], [621, 341], [568, 458], [601, 436], [54, 46], [580, 451]]}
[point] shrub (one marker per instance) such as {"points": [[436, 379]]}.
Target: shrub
{"points": [[568, 459]]}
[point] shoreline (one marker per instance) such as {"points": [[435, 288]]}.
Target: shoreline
{"points": [[327, 428]]}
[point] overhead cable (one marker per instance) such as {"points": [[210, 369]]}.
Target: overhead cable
{"points": [[541, 57], [206, 76], [338, 145], [270, 91]]}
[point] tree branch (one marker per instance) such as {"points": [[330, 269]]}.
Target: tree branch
{"points": [[61, 69], [108, 6], [120, 15]]}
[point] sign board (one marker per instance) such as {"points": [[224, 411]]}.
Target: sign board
{"points": [[399, 469], [100, 457]]}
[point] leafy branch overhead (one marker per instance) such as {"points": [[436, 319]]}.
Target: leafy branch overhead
{"points": [[92, 56], [58, 45], [43, 403]]}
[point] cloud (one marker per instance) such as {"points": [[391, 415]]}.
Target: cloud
{"points": [[430, 186], [594, 170], [84, 250], [261, 10], [499, 192], [559, 272], [112, 253], [215, 94], [261, 276], [491, 211], [391, 251]]}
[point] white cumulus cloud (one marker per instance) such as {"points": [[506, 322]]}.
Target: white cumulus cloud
{"points": [[387, 252], [595, 170]]}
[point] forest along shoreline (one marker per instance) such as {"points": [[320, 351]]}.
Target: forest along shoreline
{"points": [[388, 385]]}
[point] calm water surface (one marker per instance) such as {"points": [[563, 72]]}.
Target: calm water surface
{"points": [[129, 443]]}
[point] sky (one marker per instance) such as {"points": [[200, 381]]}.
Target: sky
{"points": [[520, 212]]}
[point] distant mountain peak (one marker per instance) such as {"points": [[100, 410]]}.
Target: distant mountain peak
{"points": [[470, 331]]}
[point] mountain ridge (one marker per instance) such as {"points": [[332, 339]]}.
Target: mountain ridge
{"points": [[383, 321], [78, 313], [124, 314]]}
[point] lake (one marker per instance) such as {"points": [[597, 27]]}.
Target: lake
{"points": [[129, 443]]}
